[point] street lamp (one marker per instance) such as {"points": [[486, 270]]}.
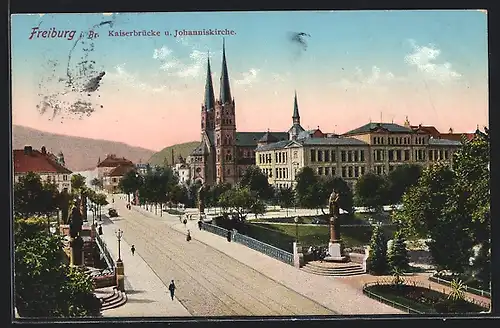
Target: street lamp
{"points": [[296, 220], [119, 234]]}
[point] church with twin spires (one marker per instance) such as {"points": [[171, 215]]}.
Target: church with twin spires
{"points": [[224, 154]]}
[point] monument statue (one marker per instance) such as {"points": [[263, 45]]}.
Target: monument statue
{"points": [[75, 228], [201, 198], [334, 215]]}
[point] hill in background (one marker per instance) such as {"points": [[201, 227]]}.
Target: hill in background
{"points": [[164, 156], [80, 154]]}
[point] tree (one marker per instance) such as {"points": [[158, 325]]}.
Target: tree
{"points": [[371, 191], [101, 200], [77, 182], [424, 202], [377, 259], [307, 188], [130, 183], [34, 197], [96, 183], [238, 200], [400, 179], [256, 181], [45, 286], [397, 254], [435, 209], [286, 197]]}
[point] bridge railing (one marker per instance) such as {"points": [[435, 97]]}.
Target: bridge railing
{"points": [[264, 248], [103, 249], [215, 229]]}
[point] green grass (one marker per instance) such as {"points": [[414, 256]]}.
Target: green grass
{"points": [[277, 234], [174, 212]]}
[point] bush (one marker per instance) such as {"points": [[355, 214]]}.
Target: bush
{"points": [[397, 256], [377, 259]]}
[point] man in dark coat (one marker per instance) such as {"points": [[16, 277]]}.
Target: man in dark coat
{"points": [[171, 287]]}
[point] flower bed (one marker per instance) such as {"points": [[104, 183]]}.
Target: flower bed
{"points": [[421, 299]]}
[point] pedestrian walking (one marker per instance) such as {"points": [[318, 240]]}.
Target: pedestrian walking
{"points": [[185, 222], [180, 218], [171, 287], [132, 249], [188, 237], [99, 229], [199, 224]]}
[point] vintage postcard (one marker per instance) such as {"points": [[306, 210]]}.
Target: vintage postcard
{"points": [[307, 163]]}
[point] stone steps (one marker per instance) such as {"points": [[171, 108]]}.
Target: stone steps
{"points": [[118, 298], [339, 270]]}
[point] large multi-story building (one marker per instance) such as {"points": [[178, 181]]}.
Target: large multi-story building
{"points": [[111, 170], [373, 147], [49, 167], [223, 154]]}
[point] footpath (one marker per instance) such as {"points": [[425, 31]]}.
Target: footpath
{"points": [[331, 292], [146, 293]]}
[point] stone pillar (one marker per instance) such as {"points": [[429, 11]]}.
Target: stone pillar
{"points": [[120, 275], [298, 257], [335, 247]]}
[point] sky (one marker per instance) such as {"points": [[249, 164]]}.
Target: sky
{"points": [[349, 68]]}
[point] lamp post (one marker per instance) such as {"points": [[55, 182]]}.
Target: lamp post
{"points": [[119, 234], [296, 220]]}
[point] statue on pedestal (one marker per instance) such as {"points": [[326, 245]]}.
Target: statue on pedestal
{"points": [[334, 211], [75, 229], [201, 198]]}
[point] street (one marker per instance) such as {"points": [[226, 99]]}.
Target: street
{"points": [[209, 283]]}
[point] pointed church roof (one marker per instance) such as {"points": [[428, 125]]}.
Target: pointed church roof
{"points": [[295, 107], [209, 88], [225, 91]]}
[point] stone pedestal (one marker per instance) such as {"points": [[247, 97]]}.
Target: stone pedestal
{"points": [[336, 252], [76, 251], [120, 275], [298, 256]]}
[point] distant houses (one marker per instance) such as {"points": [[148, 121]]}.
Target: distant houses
{"points": [[49, 167], [111, 170]]}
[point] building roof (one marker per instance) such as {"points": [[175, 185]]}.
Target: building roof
{"points": [[268, 138], [456, 136], [375, 127], [250, 139], [32, 160], [276, 145], [113, 161], [444, 142], [296, 129], [427, 129], [332, 141], [120, 170]]}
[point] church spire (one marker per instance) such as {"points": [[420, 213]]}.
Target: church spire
{"points": [[209, 88], [296, 116], [225, 91]]}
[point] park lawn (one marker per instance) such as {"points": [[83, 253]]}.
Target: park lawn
{"points": [[313, 235]]}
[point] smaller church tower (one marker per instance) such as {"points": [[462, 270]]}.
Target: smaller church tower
{"points": [[296, 128]]}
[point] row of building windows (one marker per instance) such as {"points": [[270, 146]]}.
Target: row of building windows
{"points": [[398, 140], [330, 155], [350, 156], [281, 157], [352, 171]]}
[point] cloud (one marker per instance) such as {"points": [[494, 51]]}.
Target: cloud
{"points": [[192, 67], [248, 78], [424, 59], [121, 75], [376, 79]]}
